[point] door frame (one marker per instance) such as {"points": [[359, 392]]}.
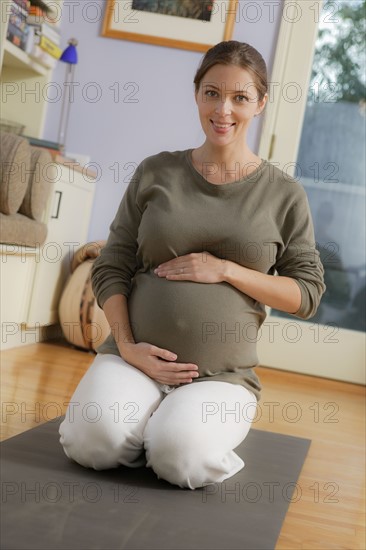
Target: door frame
{"points": [[289, 83], [286, 344]]}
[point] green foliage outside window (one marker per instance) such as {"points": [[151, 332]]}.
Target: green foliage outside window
{"points": [[339, 62]]}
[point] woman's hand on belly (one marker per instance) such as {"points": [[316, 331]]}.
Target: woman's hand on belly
{"points": [[158, 363], [200, 267]]}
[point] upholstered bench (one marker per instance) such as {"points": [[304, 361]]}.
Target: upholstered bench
{"points": [[25, 186]]}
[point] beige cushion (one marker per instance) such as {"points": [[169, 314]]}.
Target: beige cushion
{"points": [[15, 157], [39, 185], [20, 230]]}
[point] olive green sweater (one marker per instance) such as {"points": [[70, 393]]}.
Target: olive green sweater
{"points": [[261, 221]]}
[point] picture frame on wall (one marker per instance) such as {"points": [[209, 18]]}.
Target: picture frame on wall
{"points": [[186, 24]]}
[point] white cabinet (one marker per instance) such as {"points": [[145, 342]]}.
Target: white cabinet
{"points": [[17, 268], [68, 218]]}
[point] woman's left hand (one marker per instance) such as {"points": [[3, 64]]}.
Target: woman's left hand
{"points": [[200, 267]]}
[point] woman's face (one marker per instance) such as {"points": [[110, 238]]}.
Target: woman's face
{"points": [[227, 101]]}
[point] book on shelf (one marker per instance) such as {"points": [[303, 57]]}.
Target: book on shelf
{"points": [[53, 19], [30, 40], [37, 11], [40, 19], [18, 15], [38, 45], [17, 30], [25, 4], [46, 29], [42, 57], [53, 16], [16, 36], [53, 147], [47, 37], [55, 153], [40, 142], [48, 46]]}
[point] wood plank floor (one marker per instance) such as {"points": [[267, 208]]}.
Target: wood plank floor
{"points": [[328, 508]]}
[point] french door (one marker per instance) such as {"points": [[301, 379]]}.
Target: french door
{"points": [[314, 130]]}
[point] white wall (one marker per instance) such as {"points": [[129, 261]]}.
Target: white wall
{"points": [[115, 132]]}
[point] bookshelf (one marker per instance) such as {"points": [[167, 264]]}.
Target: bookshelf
{"points": [[22, 80]]}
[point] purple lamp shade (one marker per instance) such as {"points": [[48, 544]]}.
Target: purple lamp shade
{"points": [[70, 54]]}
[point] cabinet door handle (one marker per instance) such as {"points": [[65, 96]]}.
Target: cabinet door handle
{"points": [[59, 193]]}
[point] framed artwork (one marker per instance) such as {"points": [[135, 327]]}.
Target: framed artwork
{"points": [[187, 24]]}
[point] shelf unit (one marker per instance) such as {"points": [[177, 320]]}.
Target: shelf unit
{"points": [[22, 80]]}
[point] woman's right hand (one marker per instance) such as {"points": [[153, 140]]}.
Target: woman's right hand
{"points": [[158, 363]]}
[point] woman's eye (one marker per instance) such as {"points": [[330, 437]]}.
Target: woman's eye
{"points": [[241, 98], [210, 93]]}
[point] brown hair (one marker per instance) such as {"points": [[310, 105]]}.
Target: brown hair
{"points": [[243, 55]]}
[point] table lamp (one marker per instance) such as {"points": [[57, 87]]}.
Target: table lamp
{"points": [[70, 57]]}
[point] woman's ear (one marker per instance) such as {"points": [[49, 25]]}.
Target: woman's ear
{"points": [[261, 104]]}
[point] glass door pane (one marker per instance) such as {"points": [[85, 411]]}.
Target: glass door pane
{"points": [[331, 162]]}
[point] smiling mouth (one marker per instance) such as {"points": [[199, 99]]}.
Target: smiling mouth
{"points": [[222, 126]]}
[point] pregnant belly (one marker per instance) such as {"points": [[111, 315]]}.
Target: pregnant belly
{"points": [[212, 325]]}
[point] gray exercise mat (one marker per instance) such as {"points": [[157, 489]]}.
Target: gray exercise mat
{"points": [[49, 502]]}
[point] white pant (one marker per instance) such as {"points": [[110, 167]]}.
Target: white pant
{"points": [[186, 434]]}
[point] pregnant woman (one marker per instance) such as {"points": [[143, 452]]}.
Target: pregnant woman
{"points": [[202, 241]]}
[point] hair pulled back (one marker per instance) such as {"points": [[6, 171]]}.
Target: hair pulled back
{"points": [[232, 52]]}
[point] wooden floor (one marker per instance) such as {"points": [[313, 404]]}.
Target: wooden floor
{"points": [[329, 512]]}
